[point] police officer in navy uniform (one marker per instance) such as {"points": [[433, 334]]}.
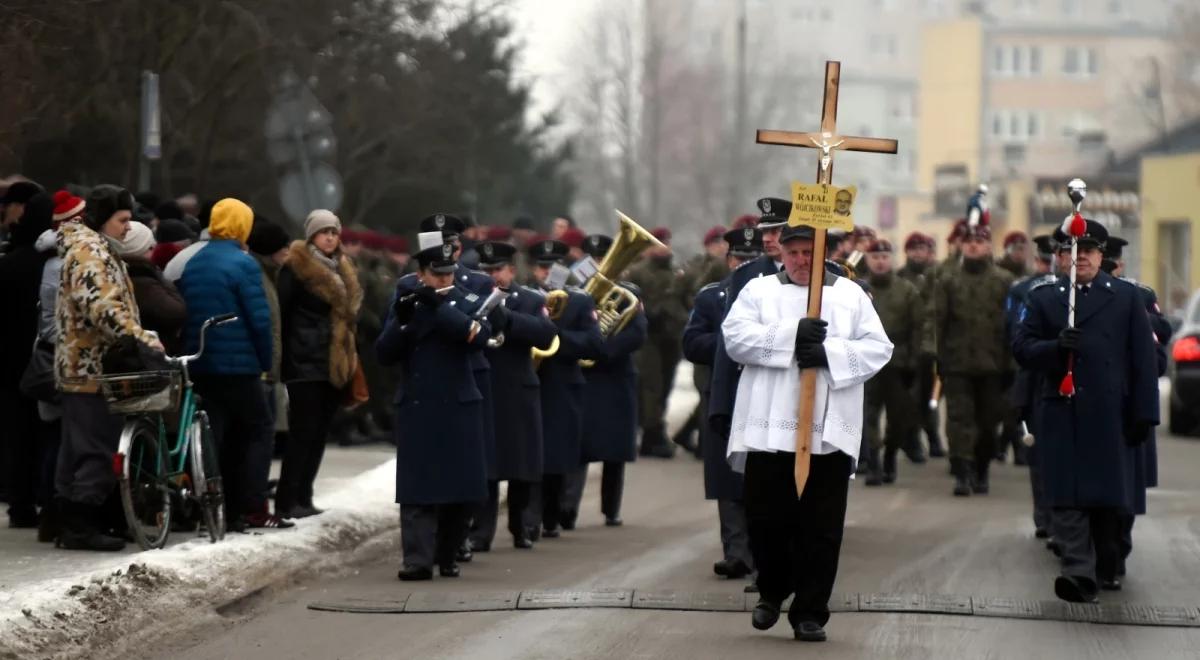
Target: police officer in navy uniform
{"points": [[726, 372], [452, 227], [441, 470], [562, 389], [518, 324], [610, 410], [1147, 470], [1025, 384], [700, 345], [1088, 440]]}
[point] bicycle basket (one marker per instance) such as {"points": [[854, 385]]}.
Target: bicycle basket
{"points": [[143, 392]]}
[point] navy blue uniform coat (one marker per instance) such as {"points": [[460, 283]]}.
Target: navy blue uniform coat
{"points": [[726, 372], [610, 406], [562, 385], [700, 342], [439, 409], [1085, 459], [516, 389]]}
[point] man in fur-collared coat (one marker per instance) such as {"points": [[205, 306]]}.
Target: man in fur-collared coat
{"points": [[319, 299]]}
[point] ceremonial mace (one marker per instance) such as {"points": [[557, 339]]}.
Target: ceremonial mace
{"points": [[1075, 227]]}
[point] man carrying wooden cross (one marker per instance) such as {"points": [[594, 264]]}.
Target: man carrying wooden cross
{"points": [[796, 541]]}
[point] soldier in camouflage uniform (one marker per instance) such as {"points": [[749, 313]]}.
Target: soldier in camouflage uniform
{"points": [[974, 359], [663, 297], [918, 269], [1016, 254], [899, 306]]}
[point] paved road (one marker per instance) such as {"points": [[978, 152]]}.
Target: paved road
{"points": [[913, 537]]}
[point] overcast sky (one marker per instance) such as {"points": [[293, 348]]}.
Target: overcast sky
{"points": [[545, 28]]}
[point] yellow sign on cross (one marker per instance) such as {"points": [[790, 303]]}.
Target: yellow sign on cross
{"points": [[822, 206]]}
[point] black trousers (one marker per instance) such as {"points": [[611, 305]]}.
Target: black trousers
{"points": [[485, 514], [90, 437], [796, 542], [1090, 541], [243, 429], [311, 407], [21, 432], [550, 497], [1042, 518], [432, 533], [612, 490]]}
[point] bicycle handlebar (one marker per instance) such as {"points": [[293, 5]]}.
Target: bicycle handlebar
{"points": [[215, 321]]}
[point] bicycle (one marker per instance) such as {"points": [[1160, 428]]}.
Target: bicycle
{"points": [[151, 467]]}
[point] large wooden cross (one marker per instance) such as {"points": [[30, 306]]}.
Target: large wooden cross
{"points": [[827, 141]]}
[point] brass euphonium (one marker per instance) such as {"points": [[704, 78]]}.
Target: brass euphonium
{"points": [[615, 305], [556, 304]]}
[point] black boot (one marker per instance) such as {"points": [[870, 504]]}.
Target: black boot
{"points": [[874, 468], [889, 465], [962, 477], [979, 482], [913, 449], [655, 444], [48, 526], [81, 529], [931, 433]]}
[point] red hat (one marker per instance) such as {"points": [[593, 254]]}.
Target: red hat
{"points": [[372, 240], [917, 239], [746, 220], [573, 237], [861, 231], [959, 231], [498, 233], [880, 245], [351, 237], [661, 233], [67, 206], [714, 235], [396, 244], [1014, 237], [978, 231]]}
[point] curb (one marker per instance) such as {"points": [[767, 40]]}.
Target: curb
{"points": [[147, 593]]}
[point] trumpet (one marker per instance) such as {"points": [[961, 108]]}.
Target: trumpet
{"points": [[556, 304]]}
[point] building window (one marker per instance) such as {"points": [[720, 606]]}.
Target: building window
{"points": [[1093, 61], [1071, 61], [1035, 60], [1018, 61], [1080, 61], [1016, 125], [999, 61], [1116, 8]]}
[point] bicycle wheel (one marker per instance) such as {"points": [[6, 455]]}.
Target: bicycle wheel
{"points": [[206, 476], [141, 466]]}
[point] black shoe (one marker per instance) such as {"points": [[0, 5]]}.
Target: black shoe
{"points": [[914, 451], [736, 569], [534, 533], [567, 519], [1041, 533], [464, 553], [962, 480], [80, 532], [480, 546], [1054, 547], [685, 440], [613, 521], [874, 469], [304, 511], [522, 542], [889, 466], [765, 614], [235, 524], [407, 574], [1075, 589], [552, 532], [1111, 584], [658, 451], [48, 525], [935, 448], [449, 570], [809, 631], [979, 482]]}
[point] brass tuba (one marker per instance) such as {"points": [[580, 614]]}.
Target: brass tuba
{"points": [[616, 305]]}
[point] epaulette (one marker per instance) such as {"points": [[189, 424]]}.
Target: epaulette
{"points": [[706, 287], [1130, 280]]}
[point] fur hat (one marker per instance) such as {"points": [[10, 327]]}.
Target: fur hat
{"points": [[104, 202], [267, 238]]}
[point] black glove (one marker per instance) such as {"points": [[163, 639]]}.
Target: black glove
{"points": [[499, 318], [811, 355], [429, 296], [1069, 338], [403, 308], [1137, 432], [810, 331]]}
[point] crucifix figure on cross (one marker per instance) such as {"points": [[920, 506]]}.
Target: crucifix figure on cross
{"points": [[826, 141]]}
